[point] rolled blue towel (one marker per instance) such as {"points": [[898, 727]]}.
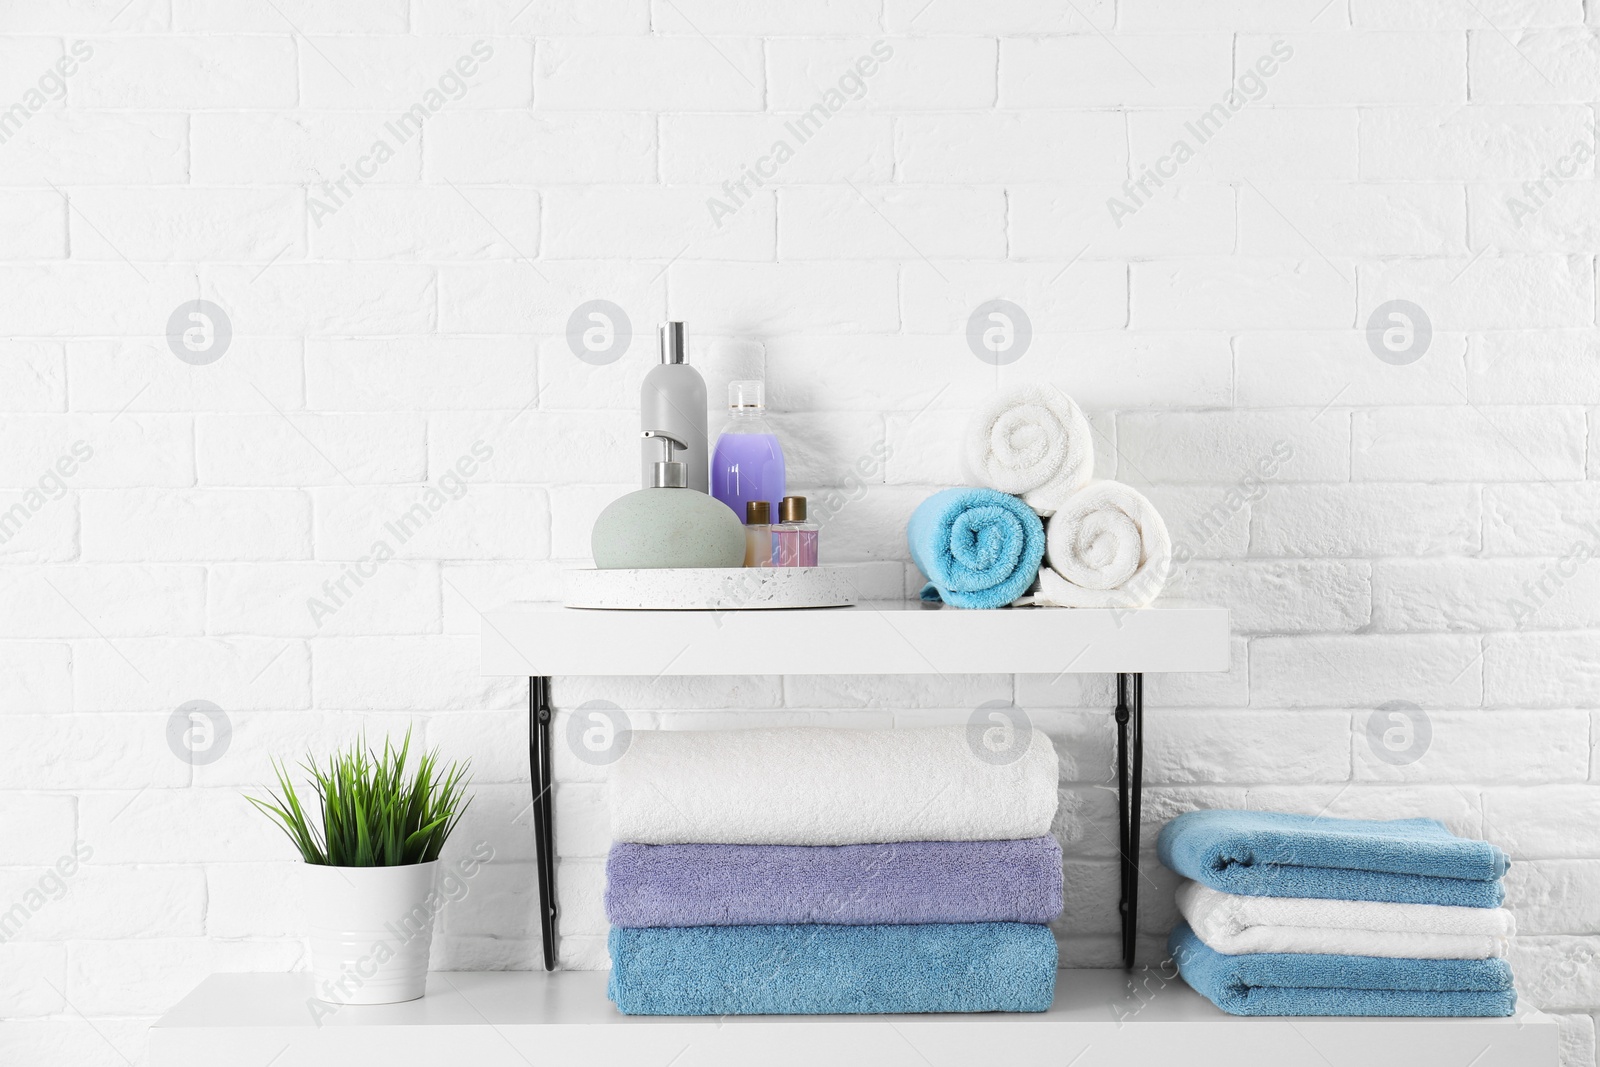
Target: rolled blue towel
{"points": [[832, 970], [1293, 983], [1272, 854], [977, 547]]}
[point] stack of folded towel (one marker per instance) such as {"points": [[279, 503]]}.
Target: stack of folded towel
{"points": [[819, 871], [1304, 915], [1101, 544]]}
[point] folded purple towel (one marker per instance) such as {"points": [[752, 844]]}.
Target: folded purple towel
{"points": [[844, 885]]}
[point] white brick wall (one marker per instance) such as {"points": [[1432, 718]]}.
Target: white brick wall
{"points": [[1428, 540]]}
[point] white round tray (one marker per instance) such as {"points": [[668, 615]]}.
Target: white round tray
{"points": [[708, 588]]}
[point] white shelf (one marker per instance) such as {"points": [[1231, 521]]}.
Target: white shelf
{"points": [[888, 637], [513, 1019]]}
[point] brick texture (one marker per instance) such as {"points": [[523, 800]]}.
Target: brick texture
{"points": [[1206, 210]]}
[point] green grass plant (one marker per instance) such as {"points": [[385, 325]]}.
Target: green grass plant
{"points": [[374, 810]]}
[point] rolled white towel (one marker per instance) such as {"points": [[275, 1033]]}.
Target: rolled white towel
{"points": [[819, 786], [1032, 442], [1106, 547], [1235, 925]]}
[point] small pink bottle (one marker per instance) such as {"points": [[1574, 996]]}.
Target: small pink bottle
{"points": [[794, 539]]}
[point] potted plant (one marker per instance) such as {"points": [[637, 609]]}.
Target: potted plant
{"points": [[371, 841]]}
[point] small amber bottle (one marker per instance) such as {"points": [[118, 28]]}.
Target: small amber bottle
{"points": [[757, 533]]}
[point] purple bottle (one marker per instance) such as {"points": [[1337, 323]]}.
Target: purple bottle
{"points": [[747, 463]]}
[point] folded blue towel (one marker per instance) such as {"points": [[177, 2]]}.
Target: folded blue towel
{"points": [[832, 970], [1270, 854], [978, 548], [1294, 983]]}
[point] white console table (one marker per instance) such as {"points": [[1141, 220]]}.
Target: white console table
{"points": [[893, 637]]}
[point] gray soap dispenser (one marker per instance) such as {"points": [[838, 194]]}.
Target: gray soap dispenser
{"points": [[668, 524], [672, 398]]}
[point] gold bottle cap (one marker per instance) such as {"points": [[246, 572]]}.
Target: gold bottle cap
{"points": [[792, 509], [757, 513]]}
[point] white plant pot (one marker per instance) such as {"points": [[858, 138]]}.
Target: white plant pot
{"points": [[371, 929]]}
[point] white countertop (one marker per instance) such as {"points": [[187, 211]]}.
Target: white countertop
{"points": [[513, 1019]]}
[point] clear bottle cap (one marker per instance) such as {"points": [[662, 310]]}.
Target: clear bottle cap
{"points": [[747, 396]]}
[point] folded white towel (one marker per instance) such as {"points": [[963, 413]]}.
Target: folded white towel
{"points": [[817, 786], [1235, 925], [1032, 442], [1106, 547]]}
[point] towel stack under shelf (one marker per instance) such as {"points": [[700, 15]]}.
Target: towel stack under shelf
{"points": [[810, 871]]}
